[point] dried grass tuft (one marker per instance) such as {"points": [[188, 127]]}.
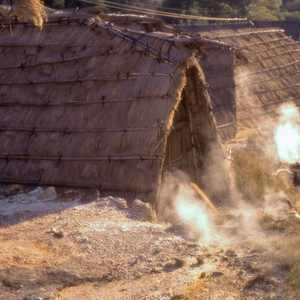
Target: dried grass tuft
{"points": [[29, 10]]}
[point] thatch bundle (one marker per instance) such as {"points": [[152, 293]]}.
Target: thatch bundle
{"points": [[88, 103], [25, 10]]}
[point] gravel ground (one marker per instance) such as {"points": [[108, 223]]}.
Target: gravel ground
{"points": [[65, 248]]}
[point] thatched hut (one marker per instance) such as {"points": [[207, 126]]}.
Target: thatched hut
{"points": [[88, 102], [265, 74]]}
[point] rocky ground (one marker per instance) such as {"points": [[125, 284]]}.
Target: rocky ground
{"points": [[75, 246]]}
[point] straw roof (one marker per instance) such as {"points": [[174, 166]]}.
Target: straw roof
{"points": [[266, 76], [218, 67], [88, 103]]}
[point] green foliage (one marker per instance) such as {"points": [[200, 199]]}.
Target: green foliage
{"points": [[252, 177], [58, 4], [252, 9], [295, 15], [265, 10], [293, 6]]}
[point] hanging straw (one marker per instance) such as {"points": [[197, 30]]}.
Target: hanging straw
{"points": [[27, 10]]}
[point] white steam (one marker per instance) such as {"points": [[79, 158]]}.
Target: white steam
{"points": [[287, 134], [192, 212], [179, 203]]}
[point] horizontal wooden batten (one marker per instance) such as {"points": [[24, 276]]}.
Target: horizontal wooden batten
{"points": [[272, 48], [257, 115], [62, 60], [215, 68], [61, 158], [70, 130], [77, 103], [183, 156], [226, 125], [275, 55], [119, 76], [246, 118], [220, 75], [224, 87], [269, 91], [266, 104], [269, 69], [42, 45], [222, 106], [264, 42], [248, 33], [268, 79]]}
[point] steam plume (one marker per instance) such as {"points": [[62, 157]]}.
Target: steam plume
{"points": [[179, 203], [287, 135]]}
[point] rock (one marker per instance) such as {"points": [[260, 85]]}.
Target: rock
{"points": [[90, 196], [49, 192], [200, 261], [157, 250], [230, 252], [216, 274], [121, 203], [81, 240], [177, 297], [156, 270], [138, 275], [179, 262], [13, 189], [203, 274], [143, 211], [181, 228], [38, 191], [69, 195], [57, 232]]}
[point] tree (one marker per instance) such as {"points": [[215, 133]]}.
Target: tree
{"points": [[265, 10], [293, 6]]}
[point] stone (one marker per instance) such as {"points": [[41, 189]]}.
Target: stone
{"points": [[203, 274], [57, 232], [179, 262], [177, 297], [156, 270], [69, 195], [49, 192], [121, 203], [230, 252], [217, 274], [81, 240], [12, 190], [90, 196], [143, 211], [38, 191], [200, 260]]}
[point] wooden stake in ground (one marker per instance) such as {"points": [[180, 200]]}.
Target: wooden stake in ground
{"points": [[205, 198]]}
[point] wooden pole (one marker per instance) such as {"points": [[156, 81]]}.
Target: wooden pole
{"points": [[205, 198], [193, 145]]}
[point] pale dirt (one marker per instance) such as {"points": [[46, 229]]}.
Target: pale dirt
{"points": [[107, 253]]}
